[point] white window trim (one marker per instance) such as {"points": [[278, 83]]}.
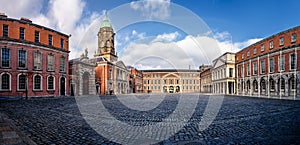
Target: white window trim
{"points": [[281, 43], [290, 61], [9, 57], [254, 51], [41, 85], [262, 48], [271, 46], [26, 83], [24, 33], [249, 64], [1, 81], [279, 66], [254, 69], [53, 83], [293, 40], [26, 61], [262, 67], [41, 63], [270, 65]]}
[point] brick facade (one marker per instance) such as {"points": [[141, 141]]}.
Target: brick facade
{"points": [[14, 43]]}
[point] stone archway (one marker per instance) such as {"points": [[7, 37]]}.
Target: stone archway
{"points": [[271, 86], [263, 87], [85, 83]]}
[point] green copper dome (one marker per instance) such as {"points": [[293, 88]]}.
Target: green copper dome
{"points": [[105, 22]]}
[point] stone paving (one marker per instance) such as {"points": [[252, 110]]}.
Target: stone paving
{"points": [[241, 120]]}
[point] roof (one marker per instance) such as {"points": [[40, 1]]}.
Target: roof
{"points": [[105, 22], [170, 70]]}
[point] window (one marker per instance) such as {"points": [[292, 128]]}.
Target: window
{"points": [[37, 82], [62, 43], [271, 44], [242, 56], [22, 59], [5, 31], [50, 83], [22, 33], [50, 62], [239, 73], [177, 81], [37, 60], [243, 71], [272, 84], [5, 57], [191, 81], [36, 36], [158, 81], [50, 40], [254, 68], [271, 65], [62, 65], [262, 48], [230, 72], [248, 69], [282, 84], [294, 36], [145, 82], [262, 67], [171, 81], [281, 63], [5, 81], [281, 41], [165, 81], [22, 82], [248, 53], [187, 81], [254, 51], [293, 61]]}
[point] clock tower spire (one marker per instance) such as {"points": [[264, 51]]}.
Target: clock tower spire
{"points": [[106, 46]]}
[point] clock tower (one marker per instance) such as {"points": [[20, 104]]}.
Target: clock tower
{"points": [[106, 46]]}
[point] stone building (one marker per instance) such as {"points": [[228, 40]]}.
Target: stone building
{"points": [[205, 80], [82, 76], [137, 80], [171, 81], [33, 59], [111, 74], [271, 66], [223, 74]]}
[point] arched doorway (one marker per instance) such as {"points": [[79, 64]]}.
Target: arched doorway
{"points": [[177, 89], [263, 87], [272, 86], [62, 86], [248, 87], [165, 90], [292, 86], [171, 90], [85, 83], [255, 87]]}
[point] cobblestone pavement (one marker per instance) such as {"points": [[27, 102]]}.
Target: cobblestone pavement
{"points": [[241, 120]]}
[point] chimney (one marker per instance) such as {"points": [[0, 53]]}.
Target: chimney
{"points": [[2, 15], [26, 20]]}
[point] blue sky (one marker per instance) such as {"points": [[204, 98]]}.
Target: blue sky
{"points": [[234, 24]]}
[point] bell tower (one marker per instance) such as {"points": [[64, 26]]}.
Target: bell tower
{"points": [[106, 47]]}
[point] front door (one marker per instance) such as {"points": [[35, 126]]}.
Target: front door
{"points": [[62, 86]]}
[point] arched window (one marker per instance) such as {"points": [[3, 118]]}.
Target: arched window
{"points": [[37, 82], [22, 82], [272, 85], [50, 83], [5, 81], [282, 83]]}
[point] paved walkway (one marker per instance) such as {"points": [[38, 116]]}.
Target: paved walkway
{"points": [[10, 134]]}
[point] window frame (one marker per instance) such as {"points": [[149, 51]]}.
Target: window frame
{"points": [[290, 61], [18, 82], [1, 82], [22, 33], [25, 67], [50, 40], [53, 89], [271, 44], [37, 55], [9, 58], [262, 66], [254, 68], [254, 51], [281, 41], [293, 39], [271, 66], [52, 66], [63, 65], [41, 82], [5, 31], [262, 48], [37, 36], [62, 43], [279, 63]]}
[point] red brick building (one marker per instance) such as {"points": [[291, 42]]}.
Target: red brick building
{"points": [[137, 80], [270, 67], [33, 59]]}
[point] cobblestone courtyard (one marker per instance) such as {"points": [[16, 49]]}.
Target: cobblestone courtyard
{"points": [[241, 120]]}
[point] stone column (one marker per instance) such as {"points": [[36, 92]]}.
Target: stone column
{"points": [[286, 89], [258, 88]]}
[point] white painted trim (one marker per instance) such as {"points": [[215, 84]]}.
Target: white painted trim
{"points": [[1, 81], [41, 85], [48, 83], [18, 86]]}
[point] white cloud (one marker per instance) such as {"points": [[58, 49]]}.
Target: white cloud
{"points": [[167, 37], [192, 50], [153, 8], [65, 16]]}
